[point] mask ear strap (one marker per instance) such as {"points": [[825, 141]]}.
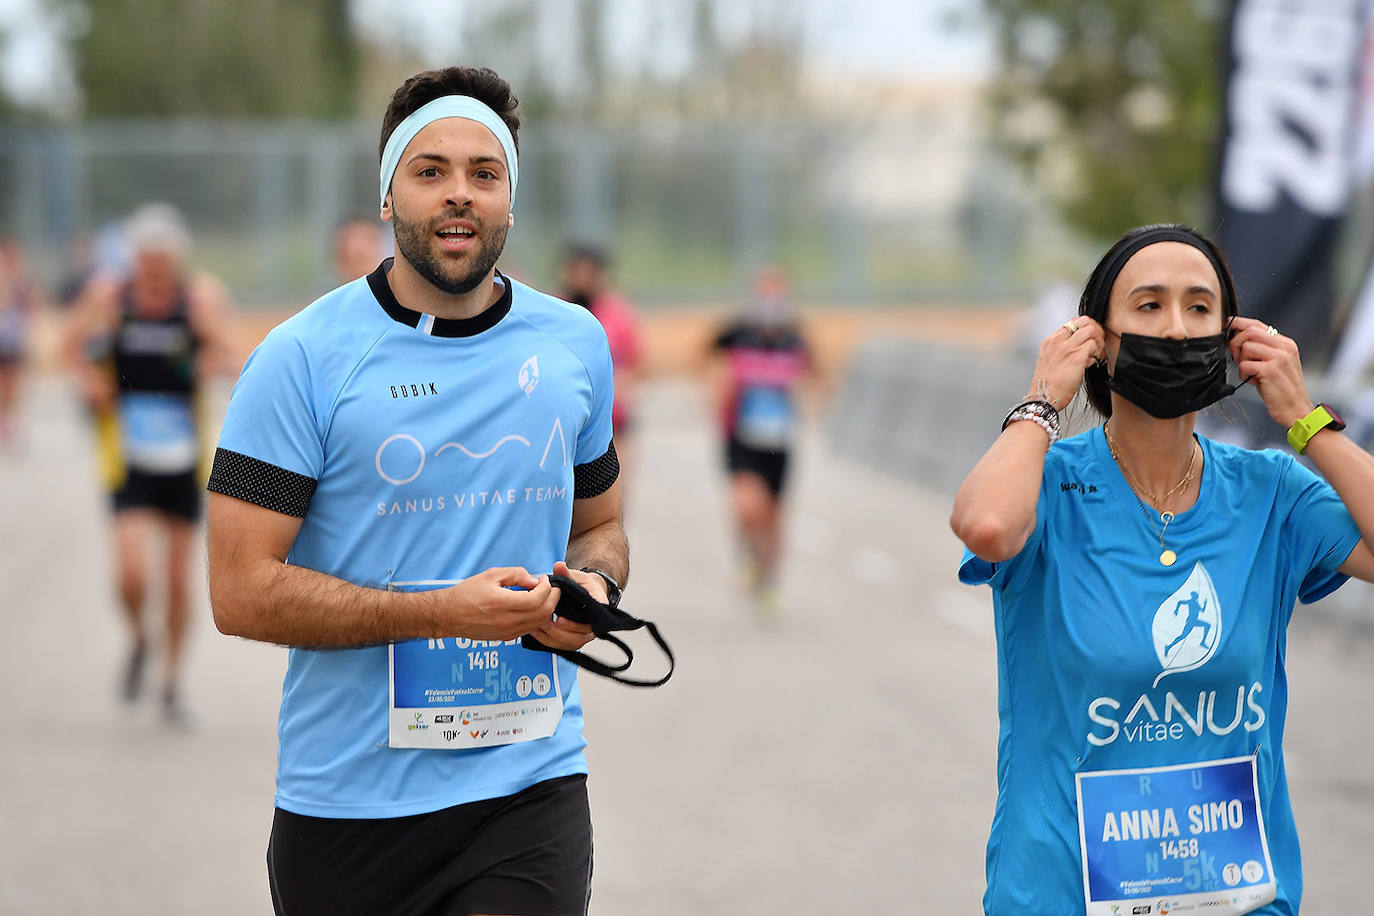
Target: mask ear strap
{"points": [[595, 666], [662, 644], [1230, 332], [583, 660], [578, 605]]}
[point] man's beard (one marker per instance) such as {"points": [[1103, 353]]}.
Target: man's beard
{"points": [[416, 244]]}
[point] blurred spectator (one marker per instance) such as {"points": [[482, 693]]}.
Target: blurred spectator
{"points": [[585, 280], [1044, 316], [358, 248], [167, 327], [766, 358], [18, 301], [78, 269]]}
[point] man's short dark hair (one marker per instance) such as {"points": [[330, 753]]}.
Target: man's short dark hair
{"points": [[480, 83], [590, 252]]}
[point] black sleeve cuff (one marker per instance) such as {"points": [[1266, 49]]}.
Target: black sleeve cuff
{"points": [[261, 483], [595, 477]]}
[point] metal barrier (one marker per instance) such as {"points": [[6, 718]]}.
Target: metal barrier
{"points": [[927, 412], [924, 411]]}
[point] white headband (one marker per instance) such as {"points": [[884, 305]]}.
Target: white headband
{"points": [[448, 106]]}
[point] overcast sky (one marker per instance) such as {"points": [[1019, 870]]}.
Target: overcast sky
{"points": [[905, 38], [892, 38]]}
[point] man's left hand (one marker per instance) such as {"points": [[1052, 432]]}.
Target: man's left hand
{"points": [[560, 633]]}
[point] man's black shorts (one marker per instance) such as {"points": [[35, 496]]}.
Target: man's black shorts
{"points": [[175, 494], [770, 465], [528, 853]]}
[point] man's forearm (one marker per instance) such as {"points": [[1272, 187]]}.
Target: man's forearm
{"points": [[603, 547], [293, 606]]}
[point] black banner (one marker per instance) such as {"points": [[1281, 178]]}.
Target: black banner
{"points": [[1284, 176]]}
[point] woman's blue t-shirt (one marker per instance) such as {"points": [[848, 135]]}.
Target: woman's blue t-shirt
{"points": [[1090, 676]]}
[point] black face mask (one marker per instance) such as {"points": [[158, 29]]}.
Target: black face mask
{"points": [[577, 604], [1168, 378]]}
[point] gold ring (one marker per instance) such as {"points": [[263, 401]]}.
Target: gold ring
{"points": [[1273, 331], [1070, 326]]}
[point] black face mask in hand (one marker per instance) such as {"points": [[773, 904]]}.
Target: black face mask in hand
{"points": [[1168, 378], [578, 605]]}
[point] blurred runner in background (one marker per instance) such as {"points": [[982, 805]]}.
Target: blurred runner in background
{"points": [[166, 328], [585, 279], [18, 302], [766, 358], [358, 248]]}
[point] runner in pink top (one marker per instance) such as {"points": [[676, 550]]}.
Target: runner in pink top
{"points": [[586, 282], [766, 359]]}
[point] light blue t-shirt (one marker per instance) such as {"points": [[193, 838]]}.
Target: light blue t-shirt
{"points": [[416, 450], [1081, 681]]}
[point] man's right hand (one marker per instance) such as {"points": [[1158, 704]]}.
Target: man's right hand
{"points": [[501, 603]]}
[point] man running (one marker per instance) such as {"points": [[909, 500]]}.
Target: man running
{"points": [[766, 359], [357, 248], [401, 464], [586, 281], [140, 346]]}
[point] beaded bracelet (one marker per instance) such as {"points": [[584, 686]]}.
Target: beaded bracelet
{"points": [[1041, 413]]}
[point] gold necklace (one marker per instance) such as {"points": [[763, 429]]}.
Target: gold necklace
{"points": [[1167, 557]]}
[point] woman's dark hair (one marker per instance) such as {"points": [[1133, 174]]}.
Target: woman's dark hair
{"points": [[1098, 290], [480, 83]]}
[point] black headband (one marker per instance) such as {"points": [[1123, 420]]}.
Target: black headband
{"points": [[1099, 292]]}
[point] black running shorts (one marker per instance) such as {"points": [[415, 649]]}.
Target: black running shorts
{"points": [[528, 853], [175, 494], [770, 465]]}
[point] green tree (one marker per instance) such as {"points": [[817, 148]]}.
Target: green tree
{"points": [[220, 58], [1113, 106]]}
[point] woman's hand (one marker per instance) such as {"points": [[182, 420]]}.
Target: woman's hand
{"points": [[1064, 355], [1270, 360]]}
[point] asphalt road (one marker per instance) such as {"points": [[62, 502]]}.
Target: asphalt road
{"points": [[838, 760]]}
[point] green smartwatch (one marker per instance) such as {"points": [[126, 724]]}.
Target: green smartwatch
{"points": [[1301, 432]]}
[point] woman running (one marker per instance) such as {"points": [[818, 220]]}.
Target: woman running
{"points": [[1143, 578]]}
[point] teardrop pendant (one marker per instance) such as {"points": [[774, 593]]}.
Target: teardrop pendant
{"points": [[1167, 558]]}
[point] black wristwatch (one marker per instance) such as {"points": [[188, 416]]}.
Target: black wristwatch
{"points": [[613, 590]]}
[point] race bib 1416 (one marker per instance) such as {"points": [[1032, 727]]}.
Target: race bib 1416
{"points": [[463, 693]]}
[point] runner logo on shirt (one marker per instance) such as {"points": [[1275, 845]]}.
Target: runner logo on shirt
{"points": [[1186, 632], [1187, 626], [529, 375]]}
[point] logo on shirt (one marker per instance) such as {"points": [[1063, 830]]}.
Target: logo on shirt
{"points": [[1187, 625], [1186, 631], [398, 465], [423, 389], [402, 458], [529, 375]]}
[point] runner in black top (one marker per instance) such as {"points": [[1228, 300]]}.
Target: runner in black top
{"points": [[165, 330], [766, 359]]}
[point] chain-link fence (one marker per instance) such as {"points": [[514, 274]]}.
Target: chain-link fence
{"points": [[689, 210]]}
